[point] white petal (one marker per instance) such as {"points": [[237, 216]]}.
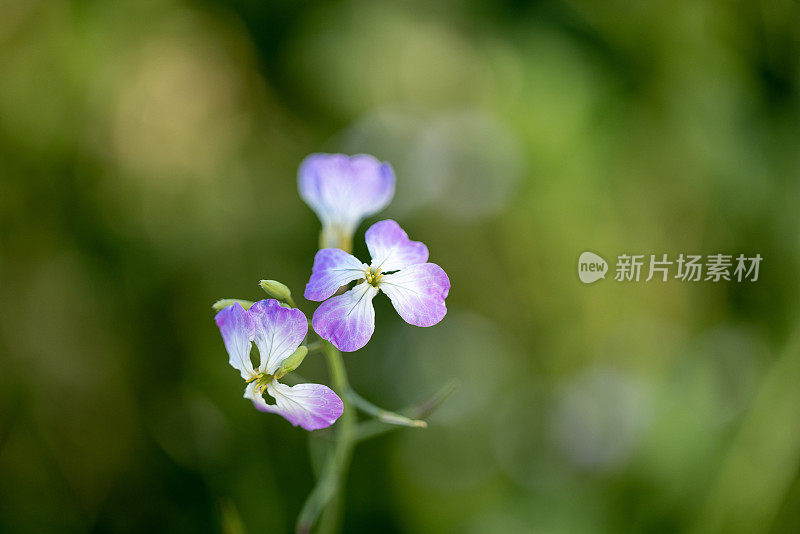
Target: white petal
{"points": [[278, 332], [390, 247], [418, 293], [257, 398], [311, 406], [237, 331], [347, 320], [333, 268]]}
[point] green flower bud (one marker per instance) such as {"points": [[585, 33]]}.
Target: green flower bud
{"points": [[224, 303], [276, 290], [292, 362]]}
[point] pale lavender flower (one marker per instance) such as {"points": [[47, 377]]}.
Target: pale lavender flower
{"points": [[277, 332], [343, 190], [417, 289]]}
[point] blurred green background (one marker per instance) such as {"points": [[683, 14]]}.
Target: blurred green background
{"points": [[148, 156]]}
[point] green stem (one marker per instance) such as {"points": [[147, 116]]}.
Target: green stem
{"points": [[328, 489], [763, 458], [315, 346], [383, 415], [376, 427]]}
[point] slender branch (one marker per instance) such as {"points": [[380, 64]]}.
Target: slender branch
{"points": [[376, 427], [383, 415], [333, 473]]}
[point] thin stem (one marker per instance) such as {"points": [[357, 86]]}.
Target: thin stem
{"points": [[383, 415], [333, 473], [376, 427], [315, 346]]}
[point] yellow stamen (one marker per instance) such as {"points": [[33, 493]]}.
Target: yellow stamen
{"points": [[373, 277], [262, 379]]}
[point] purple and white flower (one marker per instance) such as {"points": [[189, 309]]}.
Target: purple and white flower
{"points": [[343, 190], [399, 268], [277, 332]]}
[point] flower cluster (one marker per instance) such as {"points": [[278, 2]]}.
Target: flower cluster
{"points": [[342, 190]]}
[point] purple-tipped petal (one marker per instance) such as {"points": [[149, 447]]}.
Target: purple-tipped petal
{"points": [[390, 247], [347, 320], [311, 406], [278, 332], [418, 293], [343, 190], [237, 329], [333, 268]]}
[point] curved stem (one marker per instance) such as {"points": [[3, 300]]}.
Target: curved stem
{"points": [[382, 414], [327, 492]]}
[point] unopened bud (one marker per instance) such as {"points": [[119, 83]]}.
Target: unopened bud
{"points": [[276, 290], [221, 304], [292, 362]]}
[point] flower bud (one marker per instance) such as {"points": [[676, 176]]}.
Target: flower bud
{"points": [[221, 304], [292, 362], [276, 290]]}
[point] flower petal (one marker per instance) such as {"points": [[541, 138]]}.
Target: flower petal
{"points": [[418, 293], [343, 190], [390, 247], [347, 320], [257, 398], [278, 332], [311, 406], [237, 329], [333, 268]]}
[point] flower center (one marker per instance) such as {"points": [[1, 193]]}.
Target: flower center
{"points": [[373, 276], [261, 379]]}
